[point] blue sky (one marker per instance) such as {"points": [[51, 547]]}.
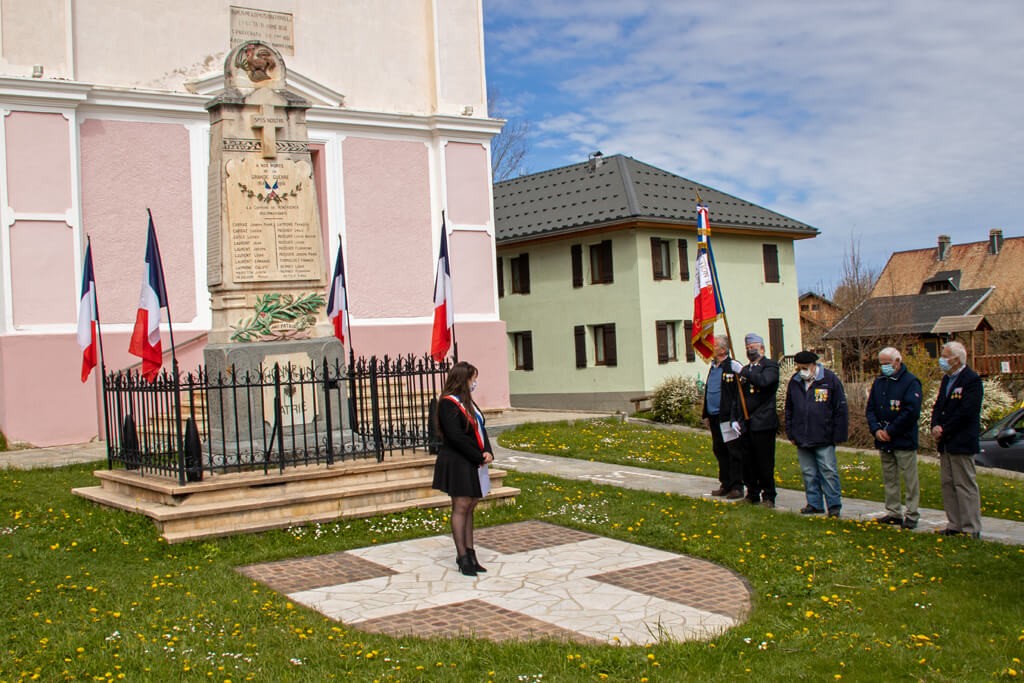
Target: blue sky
{"points": [[883, 123]]}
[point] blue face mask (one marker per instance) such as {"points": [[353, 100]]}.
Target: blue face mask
{"points": [[943, 364], [888, 370]]}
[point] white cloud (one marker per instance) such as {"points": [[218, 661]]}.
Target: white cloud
{"points": [[893, 121]]}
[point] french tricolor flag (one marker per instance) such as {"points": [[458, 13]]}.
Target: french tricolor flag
{"points": [[145, 341], [444, 312], [88, 316], [337, 304]]}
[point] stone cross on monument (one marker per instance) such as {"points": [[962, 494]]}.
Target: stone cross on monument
{"points": [[265, 257]]}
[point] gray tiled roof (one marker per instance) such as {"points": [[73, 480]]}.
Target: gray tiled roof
{"points": [[622, 188], [906, 313]]}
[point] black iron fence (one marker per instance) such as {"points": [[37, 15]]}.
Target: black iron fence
{"points": [[270, 417]]}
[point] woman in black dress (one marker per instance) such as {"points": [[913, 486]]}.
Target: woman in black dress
{"points": [[463, 451]]}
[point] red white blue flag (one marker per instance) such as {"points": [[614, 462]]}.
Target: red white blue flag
{"points": [[145, 341], [87, 316], [707, 302], [444, 312], [337, 303]]}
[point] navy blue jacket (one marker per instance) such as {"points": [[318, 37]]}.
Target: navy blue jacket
{"points": [[894, 405], [728, 397], [959, 414], [817, 415], [760, 385]]}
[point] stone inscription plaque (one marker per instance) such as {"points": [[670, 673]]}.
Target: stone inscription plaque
{"points": [[275, 28], [274, 233], [296, 406]]}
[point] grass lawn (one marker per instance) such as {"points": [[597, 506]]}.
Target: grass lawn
{"points": [[93, 594], [860, 472]]}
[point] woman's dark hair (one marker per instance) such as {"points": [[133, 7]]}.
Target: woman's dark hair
{"points": [[458, 384]]}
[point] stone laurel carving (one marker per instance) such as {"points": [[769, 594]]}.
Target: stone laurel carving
{"points": [[279, 316], [269, 193], [242, 145]]}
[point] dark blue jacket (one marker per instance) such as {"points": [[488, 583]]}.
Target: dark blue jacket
{"points": [[959, 413], [894, 405], [730, 389], [817, 415], [760, 385]]}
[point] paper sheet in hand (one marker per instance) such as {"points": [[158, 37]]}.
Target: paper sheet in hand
{"points": [[728, 433], [485, 480]]}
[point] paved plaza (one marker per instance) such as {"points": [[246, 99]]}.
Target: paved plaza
{"points": [[542, 581]]}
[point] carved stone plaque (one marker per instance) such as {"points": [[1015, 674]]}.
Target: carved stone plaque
{"points": [[271, 214], [275, 28]]}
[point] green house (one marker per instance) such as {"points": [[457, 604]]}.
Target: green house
{"points": [[594, 270]]}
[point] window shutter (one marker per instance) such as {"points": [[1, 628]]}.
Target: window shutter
{"points": [[577, 264], [524, 277], [501, 277], [771, 262], [656, 265], [580, 334], [606, 261], [609, 343], [684, 261], [778, 348], [527, 350], [688, 333], [662, 336]]}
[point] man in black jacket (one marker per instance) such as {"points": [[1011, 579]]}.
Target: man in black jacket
{"points": [[956, 426], [760, 383], [893, 410], [817, 418], [720, 394]]}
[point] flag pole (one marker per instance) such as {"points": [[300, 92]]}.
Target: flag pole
{"points": [[163, 286], [455, 344], [725, 317], [96, 307]]}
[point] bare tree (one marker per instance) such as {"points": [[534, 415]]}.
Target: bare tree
{"points": [[509, 147]]}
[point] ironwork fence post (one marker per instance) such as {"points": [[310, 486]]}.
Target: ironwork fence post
{"points": [[328, 384], [378, 436]]}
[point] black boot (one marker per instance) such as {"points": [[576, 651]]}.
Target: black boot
{"points": [[471, 555], [466, 565]]}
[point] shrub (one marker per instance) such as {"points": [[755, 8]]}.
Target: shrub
{"points": [[679, 400], [3, 442]]}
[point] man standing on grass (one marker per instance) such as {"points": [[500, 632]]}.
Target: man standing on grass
{"points": [[956, 426], [719, 397], [894, 406], [760, 383], [817, 418]]}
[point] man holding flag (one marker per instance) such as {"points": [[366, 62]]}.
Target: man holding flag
{"points": [[145, 342]]}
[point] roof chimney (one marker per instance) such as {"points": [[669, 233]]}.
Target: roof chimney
{"points": [[995, 241], [944, 243]]}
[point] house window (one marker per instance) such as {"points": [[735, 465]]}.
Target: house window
{"points": [[666, 336], [580, 338], [777, 348], [520, 267], [576, 251], [522, 344], [501, 277], [661, 262], [604, 345], [684, 261], [805, 307], [688, 340], [771, 262], [601, 263]]}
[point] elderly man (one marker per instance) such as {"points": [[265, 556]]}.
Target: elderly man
{"points": [[759, 384], [817, 418], [894, 406], [956, 425], [720, 395]]}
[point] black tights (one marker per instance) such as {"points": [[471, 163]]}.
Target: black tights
{"points": [[462, 522]]}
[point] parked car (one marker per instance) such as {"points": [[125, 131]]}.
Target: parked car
{"points": [[1002, 444]]}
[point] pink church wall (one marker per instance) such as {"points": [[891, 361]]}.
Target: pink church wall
{"points": [[42, 273], [469, 183], [472, 271], [38, 162], [481, 343], [126, 167], [388, 228]]}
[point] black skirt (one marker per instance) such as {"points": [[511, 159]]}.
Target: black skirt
{"points": [[455, 475]]}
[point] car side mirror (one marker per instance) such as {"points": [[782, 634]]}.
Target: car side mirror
{"points": [[1006, 437]]}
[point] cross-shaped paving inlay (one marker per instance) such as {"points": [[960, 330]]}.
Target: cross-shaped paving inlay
{"points": [[542, 581]]}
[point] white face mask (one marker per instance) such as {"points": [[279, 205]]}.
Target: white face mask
{"points": [[807, 374]]}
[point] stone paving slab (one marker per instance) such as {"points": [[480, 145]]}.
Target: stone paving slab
{"points": [[543, 581]]}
